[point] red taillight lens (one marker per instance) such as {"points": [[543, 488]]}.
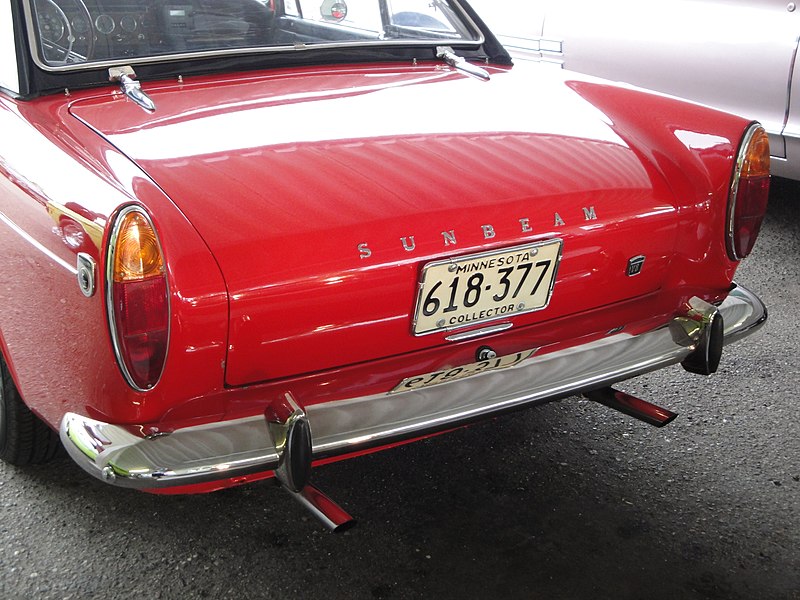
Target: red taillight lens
{"points": [[140, 310], [138, 299], [749, 193]]}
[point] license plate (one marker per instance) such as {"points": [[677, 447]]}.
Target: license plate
{"points": [[463, 291], [455, 373]]}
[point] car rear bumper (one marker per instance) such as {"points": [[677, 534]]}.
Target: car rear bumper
{"points": [[234, 448]]}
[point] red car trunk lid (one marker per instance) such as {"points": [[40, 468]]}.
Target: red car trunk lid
{"points": [[323, 193]]}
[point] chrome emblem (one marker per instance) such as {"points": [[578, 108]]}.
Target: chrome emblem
{"points": [[635, 265], [487, 231]]}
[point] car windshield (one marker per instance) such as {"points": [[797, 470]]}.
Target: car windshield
{"points": [[73, 33]]}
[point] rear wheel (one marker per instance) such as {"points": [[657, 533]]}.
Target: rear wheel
{"points": [[24, 438]]}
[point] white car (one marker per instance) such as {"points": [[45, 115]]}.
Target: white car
{"points": [[737, 55]]}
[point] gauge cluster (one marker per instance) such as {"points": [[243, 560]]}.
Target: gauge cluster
{"points": [[75, 31], [120, 29]]}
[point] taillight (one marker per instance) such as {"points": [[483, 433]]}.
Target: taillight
{"points": [[138, 299], [749, 192]]}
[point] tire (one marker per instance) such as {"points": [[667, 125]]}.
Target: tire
{"points": [[24, 438]]}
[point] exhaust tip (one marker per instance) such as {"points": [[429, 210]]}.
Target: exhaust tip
{"points": [[346, 526], [632, 406], [330, 514]]}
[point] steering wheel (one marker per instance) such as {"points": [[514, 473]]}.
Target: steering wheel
{"points": [[57, 33]]}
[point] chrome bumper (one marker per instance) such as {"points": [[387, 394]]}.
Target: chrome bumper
{"points": [[243, 446]]}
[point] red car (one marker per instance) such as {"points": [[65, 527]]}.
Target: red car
{"points": [[301, 231]]}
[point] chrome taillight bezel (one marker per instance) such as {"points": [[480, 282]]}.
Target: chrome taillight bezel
{"points": [[733, 196], [115, 334]]}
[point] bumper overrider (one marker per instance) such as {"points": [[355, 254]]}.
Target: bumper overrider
{"points": [[289, 438]]}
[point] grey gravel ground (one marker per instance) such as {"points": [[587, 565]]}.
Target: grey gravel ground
{"points": [[570, 500]]}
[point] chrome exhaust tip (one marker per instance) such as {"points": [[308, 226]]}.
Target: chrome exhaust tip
{"points": [[333, 516], [632, 406]]}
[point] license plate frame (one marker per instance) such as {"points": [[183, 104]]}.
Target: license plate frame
{"points": [[446, 302]]}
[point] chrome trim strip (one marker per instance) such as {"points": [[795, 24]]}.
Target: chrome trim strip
{"points": [[476, 333], [536, 49], [238, 447], [787, 113]]}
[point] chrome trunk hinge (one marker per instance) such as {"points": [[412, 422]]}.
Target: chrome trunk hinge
{"points": [[459, 62], [126, 77]]}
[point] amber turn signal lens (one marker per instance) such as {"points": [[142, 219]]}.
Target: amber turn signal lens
{"points": [[137, 254], [756, 155], [747, 204]]}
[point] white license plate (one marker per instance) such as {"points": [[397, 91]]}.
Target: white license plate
{"points": [[463, 291], [455, 373]]}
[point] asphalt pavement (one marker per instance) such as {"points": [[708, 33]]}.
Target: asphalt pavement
{"points": [[569, 500]]}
